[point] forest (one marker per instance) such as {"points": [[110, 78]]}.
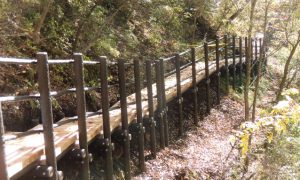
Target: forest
{"points": [[252, 133]]}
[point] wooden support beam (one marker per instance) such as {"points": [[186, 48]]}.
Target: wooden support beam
{"points": [[3, 167], [179, 94], [233, 63], [164, 103], [46, 111], [124, 118], [226, 64], [241, 59], [195, 88], [207, 79], [159, 104], [139, 114], [106, 119], [151, 108], [84, 171], [218, 69]]}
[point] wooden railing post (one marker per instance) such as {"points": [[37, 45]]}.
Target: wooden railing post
{"points": [[241, 58], [139, 113], [233, 63], [246, 55], [218, 69], [164, 101], [159, 104], [3, 168], [226, 64], [179, 95], [124, 117], [252, 59], [207, 79], [84, 172], [106, 119], [46, 111], [195, 88], [151, 108], [256, 57]]}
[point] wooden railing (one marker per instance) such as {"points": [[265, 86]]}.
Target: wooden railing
{"points": [[221, 48]]}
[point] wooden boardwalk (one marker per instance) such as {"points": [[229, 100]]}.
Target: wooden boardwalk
{"points": [[24, 151], [21, 154]]}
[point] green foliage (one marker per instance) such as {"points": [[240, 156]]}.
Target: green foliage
{"points": [[283, 117]]}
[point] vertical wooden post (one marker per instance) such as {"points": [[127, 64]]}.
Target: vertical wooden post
{"points": [[233, 59], [151, 108], [226, 64], [241, 58], [246, 54], [195, 89], [179, 95], [164, 103], [124, 117], [46, 111], [207, 80], [139, 113], [106, 118], [3, 168], [256, 58], [218, 69], [81, 113], [159, 104], [252, 59]]}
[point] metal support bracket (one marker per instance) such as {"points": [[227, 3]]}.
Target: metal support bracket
{"points": [[149, 122], [78, 154], [121, 136], [137, 128]]}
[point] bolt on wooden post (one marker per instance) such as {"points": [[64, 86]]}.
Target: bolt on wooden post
{"points": [[106, 118], [81, 113], [124, 117]]}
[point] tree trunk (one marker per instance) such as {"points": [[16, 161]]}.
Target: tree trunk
{"points": [[261, 59], [256, 89], [37, 30], [288, 84], [248, 56], [286, 69]]}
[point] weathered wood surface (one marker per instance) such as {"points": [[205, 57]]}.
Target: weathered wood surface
{"points": [[24, 151]]}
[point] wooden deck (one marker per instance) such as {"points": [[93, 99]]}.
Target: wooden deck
{"points": [[23, 152]]}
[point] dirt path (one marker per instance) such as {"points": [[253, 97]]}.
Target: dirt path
{"points": [[205, 152]]}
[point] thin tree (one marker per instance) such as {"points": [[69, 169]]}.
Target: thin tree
{"points": [[286, 67], [261, 58], [248, 56]]}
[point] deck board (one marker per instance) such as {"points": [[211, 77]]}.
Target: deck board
{"points": [[21, 152]]}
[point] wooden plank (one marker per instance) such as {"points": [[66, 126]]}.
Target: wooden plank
{"points": [[21, 152]]}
